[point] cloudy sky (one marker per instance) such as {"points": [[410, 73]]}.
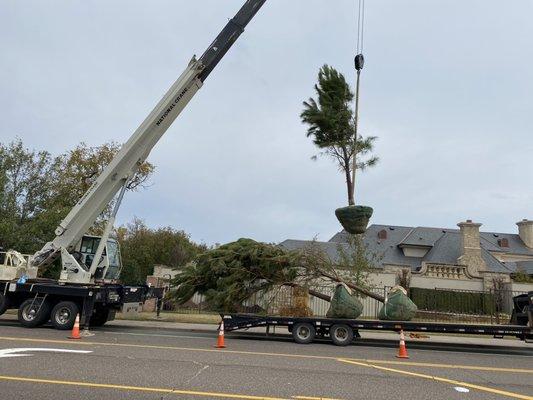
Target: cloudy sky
{"points": [[447, 88]]}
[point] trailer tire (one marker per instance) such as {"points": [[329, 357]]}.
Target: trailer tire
{"points": [[33, 312], [64, 314], [303, 333], [4, 303], [341, 334]]}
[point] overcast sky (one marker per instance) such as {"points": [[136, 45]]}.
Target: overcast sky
{"points": [[446, 87]]}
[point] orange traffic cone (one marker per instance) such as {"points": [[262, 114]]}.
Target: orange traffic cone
{"points": [[402, 351], [76, 329], [220, 340]]}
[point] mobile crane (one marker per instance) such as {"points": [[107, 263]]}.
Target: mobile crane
{"points": [[90, 266]]}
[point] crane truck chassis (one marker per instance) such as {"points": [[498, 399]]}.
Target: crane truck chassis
{"points": [[40, 300]]}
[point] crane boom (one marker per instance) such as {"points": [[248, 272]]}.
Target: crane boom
{"points": [[135, 151]]}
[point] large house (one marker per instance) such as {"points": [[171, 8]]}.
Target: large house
{"points": [[463, 258]]}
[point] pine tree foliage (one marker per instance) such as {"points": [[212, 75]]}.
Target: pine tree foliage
{"points": [[331, 124], [232, 273]]}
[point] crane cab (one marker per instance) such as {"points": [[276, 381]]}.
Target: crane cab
{"points": [[110, 264]]}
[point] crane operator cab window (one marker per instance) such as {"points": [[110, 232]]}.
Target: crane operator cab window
{"points": [[110, 263]]}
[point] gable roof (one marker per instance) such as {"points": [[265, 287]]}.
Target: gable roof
{"points": [[444, 246]]}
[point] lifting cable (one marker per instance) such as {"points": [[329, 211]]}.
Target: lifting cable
{"points": [[360, 26], [359, 62]]}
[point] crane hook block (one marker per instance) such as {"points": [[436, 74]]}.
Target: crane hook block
{"points": [[359, 62]]}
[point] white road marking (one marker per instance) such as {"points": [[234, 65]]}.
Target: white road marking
{"points": [[5, 353], [461, 389]]}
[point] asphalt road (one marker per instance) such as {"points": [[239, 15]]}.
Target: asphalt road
{"points": [[127, 362]]}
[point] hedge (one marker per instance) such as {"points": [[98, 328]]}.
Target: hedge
{"points": [[453, 301]]}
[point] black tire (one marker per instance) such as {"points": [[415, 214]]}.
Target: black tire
{"points": [[4, 303], [99, 317], [63, 315], [341, 334], [303, 333], [33, 312]]}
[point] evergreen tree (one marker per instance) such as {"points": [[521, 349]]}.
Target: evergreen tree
{"points": [[331, 125]]}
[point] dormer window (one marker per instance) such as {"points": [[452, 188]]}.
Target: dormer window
{"points": [[503, 242], [382, 234]]}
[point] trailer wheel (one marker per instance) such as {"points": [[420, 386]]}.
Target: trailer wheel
{"points": [[64, 314], [341, 334], [4, 304], [33, 312], [303, 333]]}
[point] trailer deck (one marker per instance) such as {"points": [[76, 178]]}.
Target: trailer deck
{"points": [[315, 326]]}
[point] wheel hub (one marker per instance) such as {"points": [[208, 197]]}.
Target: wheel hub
{"points": [[63, 316]]}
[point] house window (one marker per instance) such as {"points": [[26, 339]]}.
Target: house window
{"points": [[504, 242], [382, 234]]}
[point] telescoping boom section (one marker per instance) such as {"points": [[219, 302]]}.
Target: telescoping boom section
{"points": [[135, 151]]}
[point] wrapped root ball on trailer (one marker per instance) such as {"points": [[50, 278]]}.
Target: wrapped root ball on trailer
{"points": [[344, 304], [397, 306]]}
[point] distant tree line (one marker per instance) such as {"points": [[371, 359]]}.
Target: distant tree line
{"points": [[38, 189]]}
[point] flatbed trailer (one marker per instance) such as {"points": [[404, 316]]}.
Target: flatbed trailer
{"points": [[42, 300], [343, 331]]}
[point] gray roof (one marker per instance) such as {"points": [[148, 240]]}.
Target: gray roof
{"points": [[524, 266], [330, 248], [516, 246], [420, 236], [444, 247]]}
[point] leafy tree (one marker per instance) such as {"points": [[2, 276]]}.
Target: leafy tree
{"points": [[331, 125], [27, 180], [520, 276], [352, 264], [78, 169], [143, 247], [37, 190], [356, 260]]}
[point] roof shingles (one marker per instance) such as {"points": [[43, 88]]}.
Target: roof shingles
{"points": [[445, 246]]}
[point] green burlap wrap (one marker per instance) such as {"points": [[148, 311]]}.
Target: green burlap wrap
{"points": [[354, 219], [344, 304], [397, 306]]}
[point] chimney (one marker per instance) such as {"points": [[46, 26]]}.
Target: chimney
{"points": [[382, 234], [525, 231], [471, 248]]}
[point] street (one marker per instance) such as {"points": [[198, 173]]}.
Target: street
{"points": [[143, 361]]}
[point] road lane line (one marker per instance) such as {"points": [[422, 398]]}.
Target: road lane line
{"points": [[312, 398], [447, 366], [139, 388], [439, 379], [242, 352], [6, 353]]}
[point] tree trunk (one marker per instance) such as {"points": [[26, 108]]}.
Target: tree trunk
{"points": [[311, 292], [349, 183], [354, 287]]}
